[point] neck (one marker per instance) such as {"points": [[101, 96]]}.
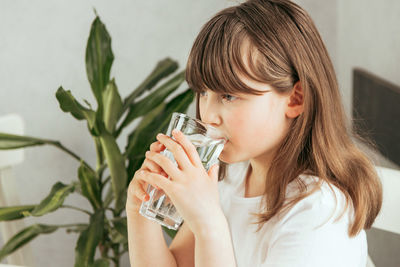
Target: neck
{"points": [[256, 177]]}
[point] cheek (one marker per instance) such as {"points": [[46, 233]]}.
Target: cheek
{"points": [[273, 130], [238, 124], [259, 129], [243, 128]]}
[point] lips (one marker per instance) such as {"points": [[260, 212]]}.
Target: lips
{"points": [[225, 139]]}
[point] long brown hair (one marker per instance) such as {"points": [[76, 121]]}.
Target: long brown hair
{"points": [[285, 47]]}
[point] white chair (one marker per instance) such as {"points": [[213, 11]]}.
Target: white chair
{"points": [[389, 216], [12, 124]]}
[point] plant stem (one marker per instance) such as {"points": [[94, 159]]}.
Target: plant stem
{"points": [[70, 225], [76, 208], [106, 180], [118, 132], [114, 219], [71, 153], [103, 250], [100, 166], [115, 249]]}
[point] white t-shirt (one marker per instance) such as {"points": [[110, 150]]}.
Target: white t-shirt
{"points": [[291, 241]]}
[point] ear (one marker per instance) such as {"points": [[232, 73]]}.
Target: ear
{"points": [[296, 102]]}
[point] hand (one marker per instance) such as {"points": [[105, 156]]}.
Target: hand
{"points": [[193, 190], [137, 187]]}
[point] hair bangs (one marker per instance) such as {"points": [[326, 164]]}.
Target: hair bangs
{"points": [[216, 61]]}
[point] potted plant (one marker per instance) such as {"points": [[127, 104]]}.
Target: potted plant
{"points": [[106, 226]]}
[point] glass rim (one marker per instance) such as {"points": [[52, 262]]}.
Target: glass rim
{"points": [[208, 127]]}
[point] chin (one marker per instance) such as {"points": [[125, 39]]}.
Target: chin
{"points": [[223, 157], [228, 155]]}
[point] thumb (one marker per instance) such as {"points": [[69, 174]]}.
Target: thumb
{"points": [[213, 172]]}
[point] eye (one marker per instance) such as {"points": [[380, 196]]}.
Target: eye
{"points": [[229, 97], [226, 97], [202, 93]]}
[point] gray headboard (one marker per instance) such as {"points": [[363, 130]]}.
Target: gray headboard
{"points": [[376, 111]]}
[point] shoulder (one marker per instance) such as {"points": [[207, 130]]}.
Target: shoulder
{"points": [[324, 205], [315, 224]]}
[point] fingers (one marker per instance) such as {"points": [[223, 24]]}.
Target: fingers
{"points": [[157, 147], [136, 195], [150, 165], [156, 180], [138, 188], [142, 191], [139, 185], [182, 149], [189, 147], [166, 164]]}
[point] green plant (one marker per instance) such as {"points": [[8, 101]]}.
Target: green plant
{"points": [[106, 226]]}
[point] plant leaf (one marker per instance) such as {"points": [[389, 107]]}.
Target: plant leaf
{"points": [[90, 186], [78, 228], [77, 187], [116, 237], [142, 130], [112, 106], [99, 58], [101, 263], [120, 234], [24, 236], [153, 100], [116, 163], [88, 240], [155, 122], [99, 152], [54, 200], [68, 103], [15, 212], [12, 141], [163, 68], [170, 232], [108, 198]]}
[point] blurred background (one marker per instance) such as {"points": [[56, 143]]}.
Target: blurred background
{"points": [[42, 46]]}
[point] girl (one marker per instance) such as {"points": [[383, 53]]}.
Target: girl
{"points": [[292, 188]]}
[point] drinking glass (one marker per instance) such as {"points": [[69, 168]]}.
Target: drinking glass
{"points": [[209, 143]]}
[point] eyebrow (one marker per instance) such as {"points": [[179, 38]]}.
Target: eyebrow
{"points": [[226, 93]]}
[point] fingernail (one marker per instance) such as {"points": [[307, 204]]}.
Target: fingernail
{"points": [[175, 131]]}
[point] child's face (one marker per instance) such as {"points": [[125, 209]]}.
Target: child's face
{"points": [[255, 125]]}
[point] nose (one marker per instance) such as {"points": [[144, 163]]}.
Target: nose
{"points": [[209, 112]]}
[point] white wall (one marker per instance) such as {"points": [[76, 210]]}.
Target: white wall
{"points": [[368, 37], [324, 15], [359, 33]]}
